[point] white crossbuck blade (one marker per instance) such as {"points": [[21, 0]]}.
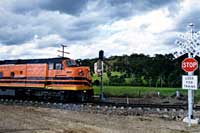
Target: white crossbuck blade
{"points": [[179, 53], [191, 44]]}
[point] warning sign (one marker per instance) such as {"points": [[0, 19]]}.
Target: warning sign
{"points": [[189, 82]]}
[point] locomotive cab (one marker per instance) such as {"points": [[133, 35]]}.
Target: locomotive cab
{"points": [[81, 76], [71, 67], [70, 63]]}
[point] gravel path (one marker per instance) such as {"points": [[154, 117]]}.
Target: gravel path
{"points": [[19, 119]]}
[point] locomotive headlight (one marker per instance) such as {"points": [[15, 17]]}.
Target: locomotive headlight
{"points": [[81, 73]]}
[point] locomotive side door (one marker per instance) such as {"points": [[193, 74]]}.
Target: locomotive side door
{"points": [[55, 73], [18, 75], [36, 75]]}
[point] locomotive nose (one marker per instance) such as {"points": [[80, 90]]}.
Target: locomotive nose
{"points": [[84, 71]]}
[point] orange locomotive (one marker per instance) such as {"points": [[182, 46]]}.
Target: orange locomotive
{"points": [[47, 79]]}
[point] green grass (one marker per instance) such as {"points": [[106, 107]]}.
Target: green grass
{"points": [[105, 78], [131, 91], [117, 73]]}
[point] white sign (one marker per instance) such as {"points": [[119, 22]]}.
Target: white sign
{"points": [[197, 54], [189, 44], [179, 53], [95, 68], [189, 82]]}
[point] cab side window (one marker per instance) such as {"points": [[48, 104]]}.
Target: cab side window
{"points": [[55, 66], [51, 66], [59, 66]]}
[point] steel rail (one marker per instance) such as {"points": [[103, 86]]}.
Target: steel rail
{"points": [[60, 105]]}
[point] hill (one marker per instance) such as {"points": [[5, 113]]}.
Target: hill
{"points": [[141, 70]]}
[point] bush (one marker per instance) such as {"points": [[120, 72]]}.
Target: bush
{"points": [[96, 82], [117, 80]]}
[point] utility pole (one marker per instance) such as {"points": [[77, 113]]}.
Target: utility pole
{"points": [[63, 51]]}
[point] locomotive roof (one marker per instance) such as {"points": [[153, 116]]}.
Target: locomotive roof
{"points": [[32, 61]]}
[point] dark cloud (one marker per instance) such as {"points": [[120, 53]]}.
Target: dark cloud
{"points": [[73, 7], [126, 8], [143, 4], [24, 6], [191, 17], [20, 34], [73, 20]]}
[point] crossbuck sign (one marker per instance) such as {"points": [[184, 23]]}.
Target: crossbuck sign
{"points": [[191, 46]]}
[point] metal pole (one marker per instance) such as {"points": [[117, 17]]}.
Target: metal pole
{"points": [[190, 104], [102, 90], [190, 92], [192, 25]]}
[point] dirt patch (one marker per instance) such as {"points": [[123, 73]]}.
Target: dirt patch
{"points": [[19, 119]]}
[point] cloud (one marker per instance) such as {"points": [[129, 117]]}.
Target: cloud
{"points": [[64, 6], [130, 7], [72, 7], [116, 26], [187, 13], [126, 37], [39, 47]]}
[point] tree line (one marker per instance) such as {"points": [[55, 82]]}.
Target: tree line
{"points": [[143, 70]]}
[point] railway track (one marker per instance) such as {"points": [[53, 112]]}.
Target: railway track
{"points": [[145, 105], [169, 112], [98, 104]]}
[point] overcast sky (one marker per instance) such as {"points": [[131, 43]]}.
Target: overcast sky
{"points": [[36, 28]]}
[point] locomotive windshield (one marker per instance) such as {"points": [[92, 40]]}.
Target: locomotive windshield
{"points": [[71, 63]]}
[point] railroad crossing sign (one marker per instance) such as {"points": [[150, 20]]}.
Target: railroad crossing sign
{"points": [[189, 44], [189, 64]]}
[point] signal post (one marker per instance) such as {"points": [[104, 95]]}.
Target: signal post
{"points": [[190, 46], [101, 58], [190, 82], [98, 69]]}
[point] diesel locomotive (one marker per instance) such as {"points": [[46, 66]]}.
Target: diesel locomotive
{"points": [[46, 79]]}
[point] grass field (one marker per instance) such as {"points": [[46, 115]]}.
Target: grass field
{"points": [[105, 77], [131, 91], [128, 81]]}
